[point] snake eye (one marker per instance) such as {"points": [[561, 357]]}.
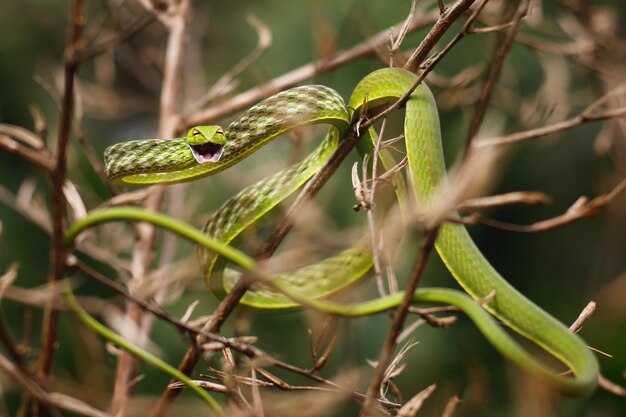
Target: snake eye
{"points": [[207, 152]]}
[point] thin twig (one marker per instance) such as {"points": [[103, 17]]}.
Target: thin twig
{"points": [[49, 328], [516, 197], [551, 129], [584, 315], [425, 47], [369, 205], [581, 209], [23, 135], [494, 73], [399, 317], [397, 42], [224, 84], [94, 158], [465, 30], [611, 387], [291, 78], [52, 399], [6, 280], [176, 22], [412, 407], [446, 18], [40, 158], [122, 34], [451, 406]]}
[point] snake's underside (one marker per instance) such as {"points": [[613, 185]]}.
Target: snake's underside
{"points": [[174, 160]]}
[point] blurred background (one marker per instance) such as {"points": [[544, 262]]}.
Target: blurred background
{"points": [[568, 54]]}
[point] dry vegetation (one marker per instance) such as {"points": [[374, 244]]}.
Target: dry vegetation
{"points": [[148, 270]]}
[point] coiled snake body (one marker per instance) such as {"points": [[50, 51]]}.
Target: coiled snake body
{"points": [[207, 150]]}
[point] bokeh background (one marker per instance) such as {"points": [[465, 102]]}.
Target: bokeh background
{"points": [[118, 99]]}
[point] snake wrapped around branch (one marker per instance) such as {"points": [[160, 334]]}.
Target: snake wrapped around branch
{"points": [[209, 149]]}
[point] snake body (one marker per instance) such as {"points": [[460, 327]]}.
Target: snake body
{"points": [[151, 161]]}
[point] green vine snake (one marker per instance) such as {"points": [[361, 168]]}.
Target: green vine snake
{"points": [[208, 149]]}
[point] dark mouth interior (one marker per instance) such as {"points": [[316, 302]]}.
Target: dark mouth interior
{"points": [[207, 152]]}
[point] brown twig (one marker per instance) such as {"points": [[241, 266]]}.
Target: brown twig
{"points": [[224, 84], [49, 329], [123, 33], [24, 136], [466, 29], [395, 44], [494, 72], [584, 315], [412, 407], [425, 47], [272, 381], [6, 280], [611, 387], [399, 316], [176, 22], [575, 327], [516, 197], [446, 18], [451, 406], [291, 78], [581, 209], [94, 158], [551, 129], [367, 202], [52, 399], [40, 158]]}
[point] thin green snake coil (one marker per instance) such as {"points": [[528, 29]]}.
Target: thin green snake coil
{"points": [[174, 160]]}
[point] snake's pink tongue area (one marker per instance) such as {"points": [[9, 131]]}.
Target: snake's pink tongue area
{"points": [[207, 152]]}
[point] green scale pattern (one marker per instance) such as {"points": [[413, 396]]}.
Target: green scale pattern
{"points": [[152, 161]]}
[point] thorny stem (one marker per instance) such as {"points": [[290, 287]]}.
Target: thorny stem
{"points": [[49, 335]]}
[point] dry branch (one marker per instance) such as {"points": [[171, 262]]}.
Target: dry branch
{"points": [[291, 78], [46, 398], [174, 15], [581, 209], [494, 72], [39, 158], [551, 129], [58, 177]]}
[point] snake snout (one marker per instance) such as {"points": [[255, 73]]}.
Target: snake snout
{"points": [[207, 152]]}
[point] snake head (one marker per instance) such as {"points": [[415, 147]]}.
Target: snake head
{"points": [[206, 143]]}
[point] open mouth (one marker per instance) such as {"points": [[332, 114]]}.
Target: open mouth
{"points": [[207, 152]]}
